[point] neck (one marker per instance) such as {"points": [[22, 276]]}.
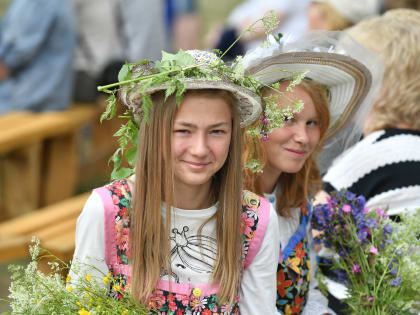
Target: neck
{"points": [[269, 179], [193, 197]]}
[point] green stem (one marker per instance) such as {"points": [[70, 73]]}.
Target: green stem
{"points": [[240, 36], [105, 87]]}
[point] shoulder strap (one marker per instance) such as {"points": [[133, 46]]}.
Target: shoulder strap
{"points": [[299, 234], [110, 211], [263, 212]]}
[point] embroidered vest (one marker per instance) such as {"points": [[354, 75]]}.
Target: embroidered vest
{"points": [[294, 269], [116, 198]]}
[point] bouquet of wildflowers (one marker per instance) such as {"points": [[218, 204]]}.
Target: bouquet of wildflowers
{"points": [[377, 259], [33, 292]]}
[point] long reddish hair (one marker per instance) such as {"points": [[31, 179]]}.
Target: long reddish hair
{"points": [[295, 187]]}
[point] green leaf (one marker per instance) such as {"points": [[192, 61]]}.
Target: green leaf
{"points": [[131, 156], [170, 90], [111, 108], [120, 173], [116, 158], [181, 59], [180, 90], [125, 72], [146, 105]]}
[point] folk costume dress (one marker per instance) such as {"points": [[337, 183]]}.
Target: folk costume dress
{"points": [[296, 285], [102, 240]]}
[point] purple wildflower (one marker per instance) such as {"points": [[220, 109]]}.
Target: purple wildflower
{"points": [[381, 213], [347, 208], [396, 282], [264, 138], [388, 228], [371, 222], [342, 252], [350, 195], [341, 275], [356, 268], [361, 201], [362, 236], [373, 250], [264, 120]]}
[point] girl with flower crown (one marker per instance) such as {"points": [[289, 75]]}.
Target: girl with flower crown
{"points": [[180, 234], [336, 91]]}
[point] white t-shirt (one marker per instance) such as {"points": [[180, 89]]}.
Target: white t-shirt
{"points": [[190, 264]]}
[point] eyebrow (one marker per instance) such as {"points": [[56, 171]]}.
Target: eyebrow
{"points": [[190, 125]]}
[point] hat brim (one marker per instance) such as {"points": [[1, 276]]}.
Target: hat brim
{"points": [[348, 80], [248, 102]]}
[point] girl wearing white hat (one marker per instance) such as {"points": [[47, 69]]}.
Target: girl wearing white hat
{"points": [[337, 91]]}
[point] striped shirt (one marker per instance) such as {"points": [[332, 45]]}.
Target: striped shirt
{"points": [[384, 167]]}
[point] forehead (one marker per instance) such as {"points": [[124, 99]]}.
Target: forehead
{"points": [[202, 108]]}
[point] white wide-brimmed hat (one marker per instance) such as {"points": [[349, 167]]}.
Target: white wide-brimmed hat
{"points": [[351, 73], [249, 103]]}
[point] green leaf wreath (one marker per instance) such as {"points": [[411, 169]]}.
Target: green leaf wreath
{"points": [[173, 70]]}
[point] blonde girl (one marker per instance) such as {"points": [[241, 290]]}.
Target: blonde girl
{"points": [[180, 234]]}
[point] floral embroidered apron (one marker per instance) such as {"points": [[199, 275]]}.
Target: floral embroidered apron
{"points": [[293, 271], [199, 300]]}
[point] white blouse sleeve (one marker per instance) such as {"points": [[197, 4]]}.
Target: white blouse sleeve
{"points": [[89, 254], [258, 285]]}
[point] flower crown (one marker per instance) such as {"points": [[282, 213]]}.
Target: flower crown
{"points": [[174, 74]]}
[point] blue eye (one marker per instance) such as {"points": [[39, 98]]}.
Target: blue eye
{"points": [[181, 131], [217, 131], [312, 123]]}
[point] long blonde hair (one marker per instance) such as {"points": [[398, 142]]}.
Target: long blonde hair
{"points": [[150, 242], [296, 187]]}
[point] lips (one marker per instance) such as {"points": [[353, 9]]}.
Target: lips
{"points": [[196, 165], [296, 152]]}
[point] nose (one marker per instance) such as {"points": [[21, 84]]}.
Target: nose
{"points": [[199, 146], [301, 134]]}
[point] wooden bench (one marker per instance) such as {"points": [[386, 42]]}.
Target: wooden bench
{"points": [[53, 225], [39, 157]]}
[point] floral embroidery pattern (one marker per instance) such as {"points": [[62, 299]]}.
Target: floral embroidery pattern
{"points": [[293, 276], [163, 301]]}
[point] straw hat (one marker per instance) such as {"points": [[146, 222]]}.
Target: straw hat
{"points": [[249, 103], [351, 73]]}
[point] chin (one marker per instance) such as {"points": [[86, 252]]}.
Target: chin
{"points": [[292, 169], [194, 180]]}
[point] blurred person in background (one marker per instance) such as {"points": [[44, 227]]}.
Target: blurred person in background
{"points": [[183, 23], [396, 4], [290, 13], [98, 44], [142, 25], [335, 15], [110, 33], [385, 165], [37, 42]]}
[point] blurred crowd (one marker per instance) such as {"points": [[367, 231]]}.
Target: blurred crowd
{"points": [[56, 52]]}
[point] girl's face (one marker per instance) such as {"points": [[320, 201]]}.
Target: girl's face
{"points": [[288, 147], [200, 139]]}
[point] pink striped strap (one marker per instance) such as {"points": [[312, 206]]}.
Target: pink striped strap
{"points": [[186, 288], [255, 244], [110, 234]]}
